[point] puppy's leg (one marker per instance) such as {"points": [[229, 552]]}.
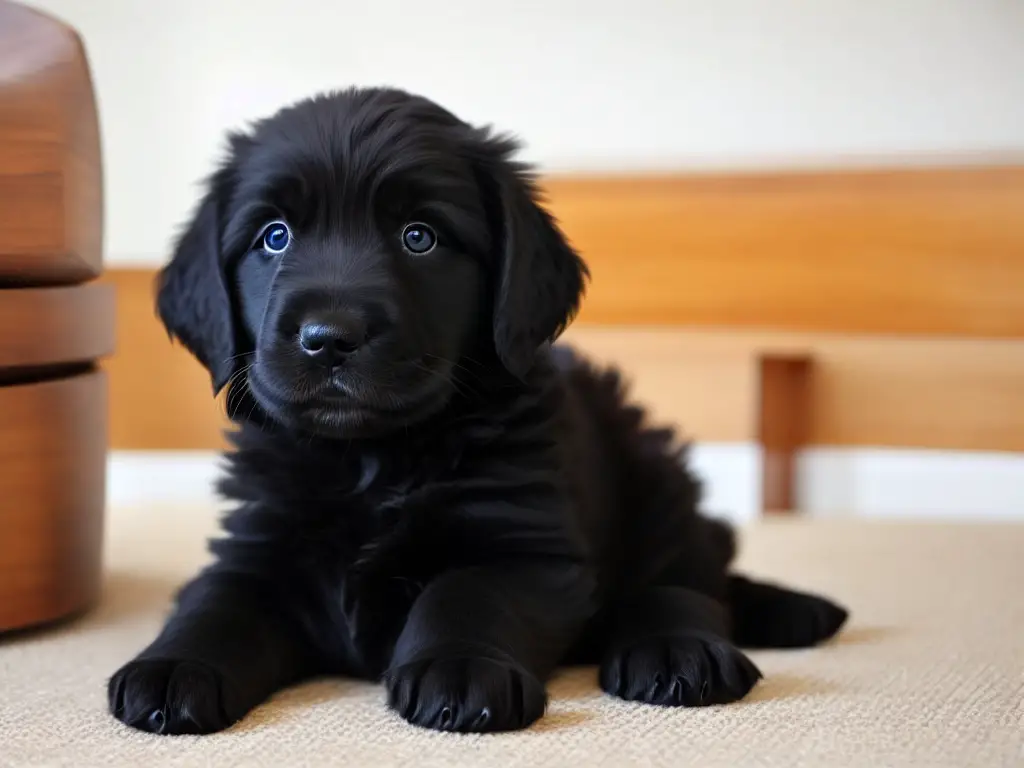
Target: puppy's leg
{"points": [[225, 649], [668, 646], [770, 616], [479, 643]]}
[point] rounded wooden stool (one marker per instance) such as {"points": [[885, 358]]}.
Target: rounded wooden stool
{"points": [[56, 323]]}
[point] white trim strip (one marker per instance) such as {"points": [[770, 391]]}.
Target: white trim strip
{"points": [[885, 482], [730, 473]]}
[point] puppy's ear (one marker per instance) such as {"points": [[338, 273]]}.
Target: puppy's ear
{"points": [[540, 277], [192, 297]]}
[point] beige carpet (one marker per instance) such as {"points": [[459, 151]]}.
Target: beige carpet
{"points": [[930, 671]]}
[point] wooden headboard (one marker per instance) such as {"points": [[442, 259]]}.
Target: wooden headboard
{"points": [[930, 251]]}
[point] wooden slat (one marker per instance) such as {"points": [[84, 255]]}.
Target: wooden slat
{"points": [[944, 394], [55, 326], [915, 251]]}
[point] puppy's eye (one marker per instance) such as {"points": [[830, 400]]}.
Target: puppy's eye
{"points": [[276, 238], [418, 238]]}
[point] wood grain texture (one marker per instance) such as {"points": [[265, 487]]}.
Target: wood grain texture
{"points": [[51, 194], [53, 461], [56, 325], [935, 251]]}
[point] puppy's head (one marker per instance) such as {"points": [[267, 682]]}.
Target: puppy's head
{"points": [[353, 251]]}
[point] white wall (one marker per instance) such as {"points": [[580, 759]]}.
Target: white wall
{"points": [[589, 84]]}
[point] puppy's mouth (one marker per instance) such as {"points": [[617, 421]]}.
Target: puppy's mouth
{"points": [[345, 405]]}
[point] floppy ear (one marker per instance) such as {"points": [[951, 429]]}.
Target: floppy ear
{"points": [[540, 278], [192, 300]]}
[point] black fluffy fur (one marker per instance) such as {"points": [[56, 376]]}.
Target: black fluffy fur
{"points": [[456, 507]]}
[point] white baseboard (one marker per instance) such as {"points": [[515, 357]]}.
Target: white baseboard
{"points": [[173, 477], [878, 482], [731, 475], [832, 482]]}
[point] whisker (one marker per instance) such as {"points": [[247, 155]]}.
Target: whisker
{"points": [[240, 399], [457, 365], [239, 373], [232, 401], [252, 411], [447, 378], [452, 379]]}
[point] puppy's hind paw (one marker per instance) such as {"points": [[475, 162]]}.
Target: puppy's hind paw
{"points": [[770, 616], [812, 620]]}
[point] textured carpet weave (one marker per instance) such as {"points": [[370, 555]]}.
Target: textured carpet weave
{"points": [[929, 672]]}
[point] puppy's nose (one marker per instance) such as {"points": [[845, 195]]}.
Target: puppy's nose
{"points": [[329, 338]]}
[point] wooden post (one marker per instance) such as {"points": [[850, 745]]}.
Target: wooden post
{"points": [[782, 414]]}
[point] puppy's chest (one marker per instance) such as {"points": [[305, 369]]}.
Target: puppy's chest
{"points": [[372, 556]]}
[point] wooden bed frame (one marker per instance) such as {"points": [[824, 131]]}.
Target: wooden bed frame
{"points": [[860, 307]]}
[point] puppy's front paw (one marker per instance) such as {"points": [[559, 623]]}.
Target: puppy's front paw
{"points": [[684, 670], [170, 697], [450, 692]]}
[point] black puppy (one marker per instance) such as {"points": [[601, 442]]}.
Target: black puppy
{"points": [[428, 493]]}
